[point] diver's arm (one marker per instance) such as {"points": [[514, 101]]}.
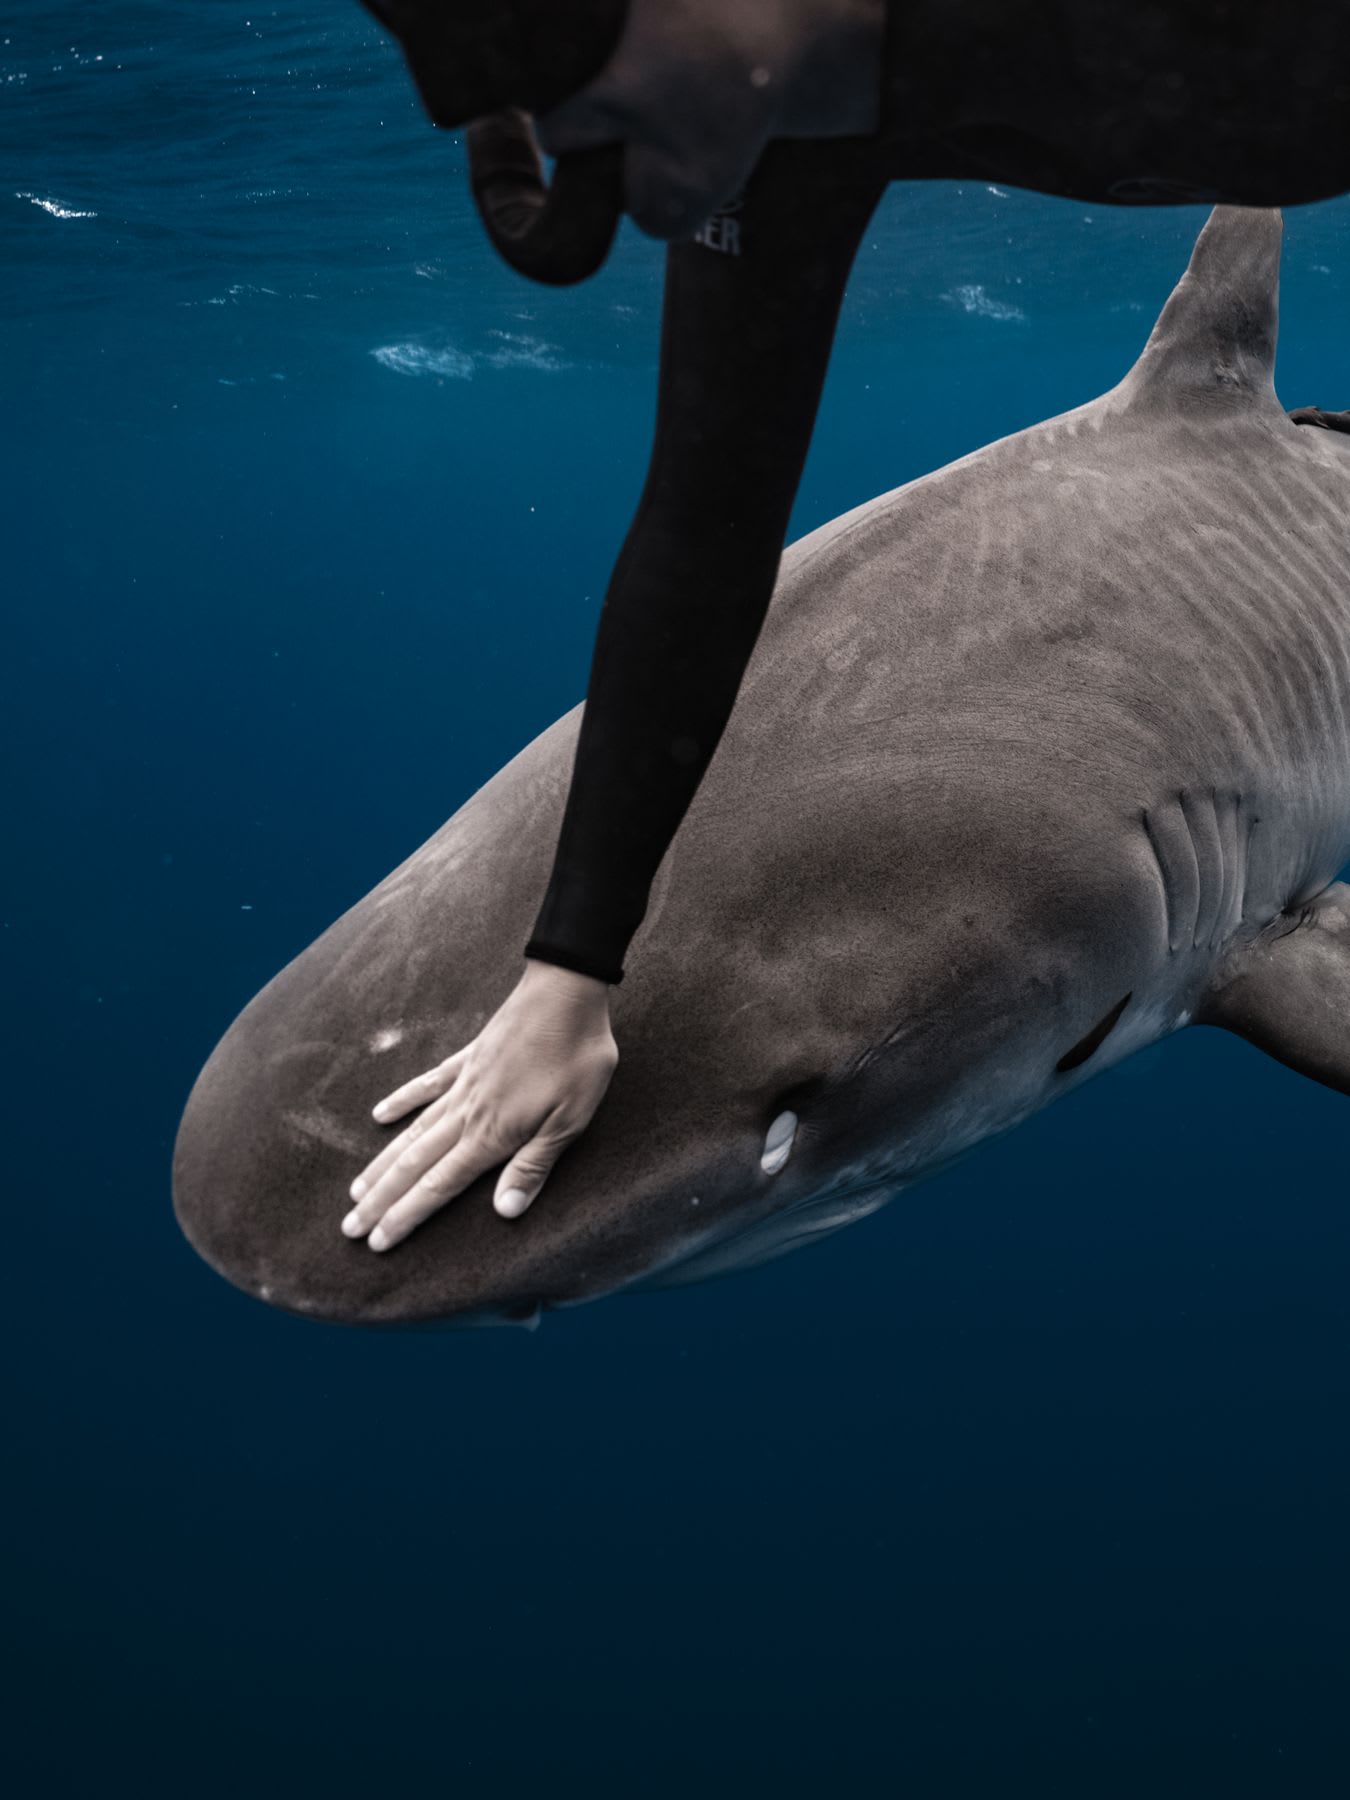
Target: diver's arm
{"points": [[747, 330], [746, 340]]}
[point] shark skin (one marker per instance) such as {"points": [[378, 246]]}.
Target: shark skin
{"points": [[1038, 759]]}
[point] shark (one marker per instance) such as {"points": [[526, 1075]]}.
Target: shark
{"points": [[1038, 759]]}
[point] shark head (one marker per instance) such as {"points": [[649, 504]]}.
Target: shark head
{"points": [[789, 1062]]}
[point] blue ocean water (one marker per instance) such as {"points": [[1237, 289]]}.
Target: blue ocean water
{"points": [[1036, 1483]]}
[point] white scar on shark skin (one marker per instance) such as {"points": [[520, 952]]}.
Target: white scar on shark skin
{"points": [[326, 1129], [386, 1038]]}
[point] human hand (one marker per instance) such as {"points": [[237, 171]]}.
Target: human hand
{"points": [[517, 1094], [697, 88]]}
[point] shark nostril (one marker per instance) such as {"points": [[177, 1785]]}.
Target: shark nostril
{"points": [[778, 1143]]}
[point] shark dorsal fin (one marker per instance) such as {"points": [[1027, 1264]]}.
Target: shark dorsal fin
{"points": [[1214, 343]]}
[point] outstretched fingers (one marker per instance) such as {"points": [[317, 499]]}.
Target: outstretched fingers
{"points": [[375, 1171], [434, 1166], [512, 1100], [452, 1174], [471, 1156], [400, 1167], [421, 1088]]}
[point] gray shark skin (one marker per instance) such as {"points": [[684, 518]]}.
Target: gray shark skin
{"points": [[1038, 759]]}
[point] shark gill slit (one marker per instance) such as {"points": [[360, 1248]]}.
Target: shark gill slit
{"points": [[1243, 825], [1201, 812], [1201, 841], [1174, 852]]}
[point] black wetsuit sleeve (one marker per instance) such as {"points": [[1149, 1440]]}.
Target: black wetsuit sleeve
{"points": [[749, 317]]}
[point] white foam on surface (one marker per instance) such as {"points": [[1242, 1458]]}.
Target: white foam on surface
{"points": [[55, 208], [972, 297], [511, 350], [422, 359], [517, 350]]}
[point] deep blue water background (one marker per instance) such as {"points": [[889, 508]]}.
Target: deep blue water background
{"points": [[1036, 1483]]}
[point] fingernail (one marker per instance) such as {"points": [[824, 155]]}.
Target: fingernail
{"points": [[351, 1225], [377, 1240], [380, 1110], [512, 1203], [358, 1188]]}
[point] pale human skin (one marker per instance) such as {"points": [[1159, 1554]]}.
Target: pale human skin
{"points": [[516, 1095]]}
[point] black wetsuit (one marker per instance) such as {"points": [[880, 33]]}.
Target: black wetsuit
{"points": [[1095, 99], [748, 321]]}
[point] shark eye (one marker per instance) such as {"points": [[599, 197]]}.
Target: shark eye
{"points": [[1088, 1046], [778, 1143]]}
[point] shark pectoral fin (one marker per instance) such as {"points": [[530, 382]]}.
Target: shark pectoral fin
{"points": [[1289, 992]]}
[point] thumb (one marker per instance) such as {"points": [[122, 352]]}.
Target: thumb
{"points": [[520, 1181]]}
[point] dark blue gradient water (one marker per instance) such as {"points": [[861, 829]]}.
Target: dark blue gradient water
{"points": [[1037, 1483]]}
